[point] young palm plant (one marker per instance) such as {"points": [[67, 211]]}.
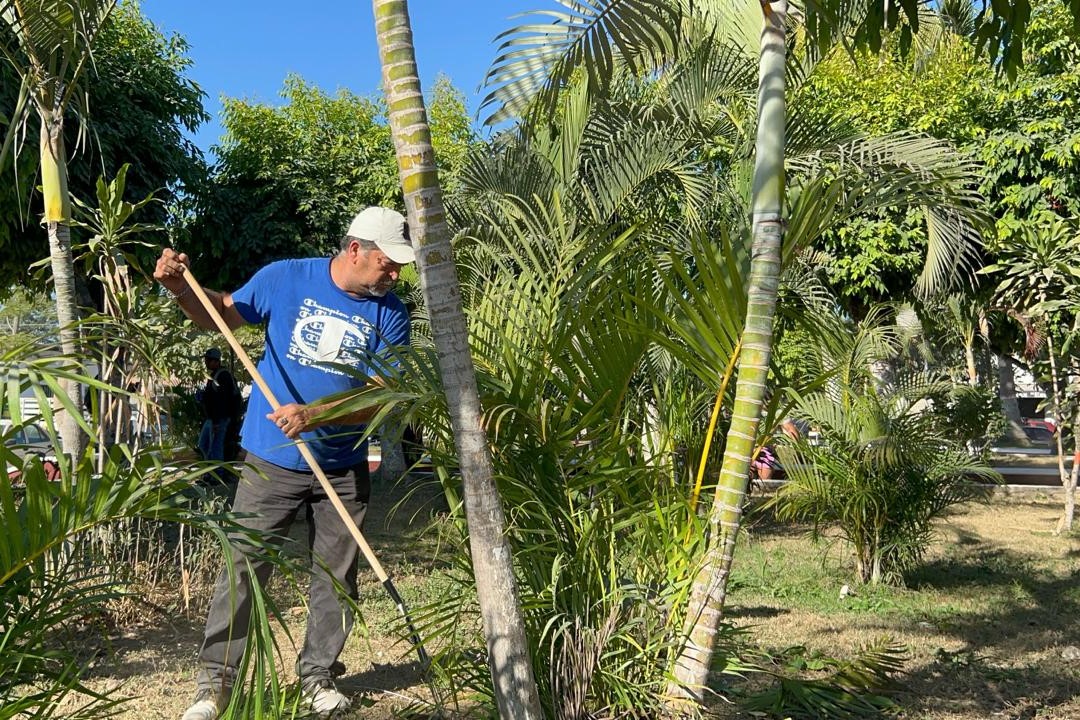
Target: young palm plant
{"points": [[598, 520], [883, 467], [604, 42]]}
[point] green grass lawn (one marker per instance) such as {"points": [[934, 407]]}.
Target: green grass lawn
{"points": [[984, 620]]}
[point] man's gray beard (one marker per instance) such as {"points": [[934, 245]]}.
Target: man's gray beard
{"points": [[379, 290]]}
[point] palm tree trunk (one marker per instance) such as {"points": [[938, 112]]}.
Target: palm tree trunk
{"points": [[969, 357], [392, 464], [1074, 474], [1068, 479], [57, 213], [706, 603], [1007, 396], [508, 652]]}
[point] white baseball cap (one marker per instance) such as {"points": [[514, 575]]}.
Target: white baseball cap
{"points": [[387, 229]]}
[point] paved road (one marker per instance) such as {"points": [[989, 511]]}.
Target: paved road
{"points": [[1040, 472], [1030, 475]]}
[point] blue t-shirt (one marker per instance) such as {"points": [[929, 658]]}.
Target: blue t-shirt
{"points": [[310, 320]]}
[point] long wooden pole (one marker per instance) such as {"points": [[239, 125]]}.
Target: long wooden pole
{"points": [[309, 457]]}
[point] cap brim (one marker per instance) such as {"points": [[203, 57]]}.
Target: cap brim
{"points": [[400, 253]]}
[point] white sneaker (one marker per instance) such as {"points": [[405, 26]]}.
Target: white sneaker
{"points": [[324, 698], [205, 707]]}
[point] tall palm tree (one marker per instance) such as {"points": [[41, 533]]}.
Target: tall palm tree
{"points": [[600, 42], [49, 44], [508, 653], [709, 590]]}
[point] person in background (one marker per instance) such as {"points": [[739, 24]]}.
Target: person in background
{"points": [[218, 398]]}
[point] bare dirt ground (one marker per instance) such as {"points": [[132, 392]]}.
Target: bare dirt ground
{"points": [[154, 662], [985, 623]]}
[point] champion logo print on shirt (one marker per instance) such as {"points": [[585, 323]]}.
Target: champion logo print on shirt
{"points": [[322, 335]]}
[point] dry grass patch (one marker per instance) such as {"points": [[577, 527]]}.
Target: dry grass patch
{"points": [[985, 619], [154, 662]]}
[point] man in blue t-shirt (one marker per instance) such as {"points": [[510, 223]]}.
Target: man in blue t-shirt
{"points": [[320, 314]]}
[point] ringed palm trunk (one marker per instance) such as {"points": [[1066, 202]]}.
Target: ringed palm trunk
{"points": [[508, 652], [1074, 475], [969, 357], [705, 607], [57, 213]]}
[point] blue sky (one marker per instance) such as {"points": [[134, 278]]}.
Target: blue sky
{"points": [[245, 48]]}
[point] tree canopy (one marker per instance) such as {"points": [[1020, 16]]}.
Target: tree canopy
{"points": [[289, 176], [1024, 133], [141, 102]]}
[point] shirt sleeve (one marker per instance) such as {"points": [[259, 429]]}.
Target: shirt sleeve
{"points": [[253, 299], [395, 330]]}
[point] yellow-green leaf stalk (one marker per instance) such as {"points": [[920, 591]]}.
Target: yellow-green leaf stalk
{"points": [[54, 181]]}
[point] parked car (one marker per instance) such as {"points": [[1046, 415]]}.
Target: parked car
{"points": [[1039, 434], [1040, 423], [29, 439]]}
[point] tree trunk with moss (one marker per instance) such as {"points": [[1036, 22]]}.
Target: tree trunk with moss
{"points": [[1068, 477], [508, 652], [1009, 406]]}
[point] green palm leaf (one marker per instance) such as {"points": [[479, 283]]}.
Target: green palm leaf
{"points": [[869, 174], [537, 60], [51, 46]]}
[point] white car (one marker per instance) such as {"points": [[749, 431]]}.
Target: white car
{"points": [[30, 438]]}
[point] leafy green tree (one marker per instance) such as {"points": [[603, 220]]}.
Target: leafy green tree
{"points": [[943, 91], [141, 103], [1025, 134], [1038, 277], [1033, 158], [289, 177]]}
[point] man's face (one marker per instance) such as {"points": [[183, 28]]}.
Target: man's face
{"points": [[371, 272], [212, 364]]}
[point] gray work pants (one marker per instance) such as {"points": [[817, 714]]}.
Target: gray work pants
{"points": [[272, 503]]}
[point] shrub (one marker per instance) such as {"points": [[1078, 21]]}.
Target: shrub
{"points": [[881, 471]]}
